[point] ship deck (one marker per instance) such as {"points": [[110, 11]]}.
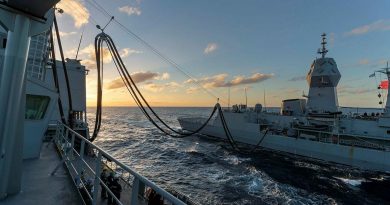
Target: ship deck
{"points": [[39, 187]]}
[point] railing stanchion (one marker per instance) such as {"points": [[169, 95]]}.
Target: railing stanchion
{"points": [[141, 189], [57, 133], [82, 148], [134, 191], [81, 159], [97, 175], [66, 134], [72, 146]]}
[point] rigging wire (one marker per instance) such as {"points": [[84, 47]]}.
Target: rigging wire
{"points": [[81, 38], [153, 49]]}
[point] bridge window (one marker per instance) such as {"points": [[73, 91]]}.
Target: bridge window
{"points": [[36, 106]]}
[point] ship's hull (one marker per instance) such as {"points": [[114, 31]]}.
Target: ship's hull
{"points": [[248, 133]]}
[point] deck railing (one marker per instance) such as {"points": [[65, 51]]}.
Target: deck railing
{"points": [[84, 158]]}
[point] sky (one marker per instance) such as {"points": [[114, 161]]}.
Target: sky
{"points": [[263, 47]]}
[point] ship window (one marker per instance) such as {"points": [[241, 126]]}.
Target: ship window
{"points": [[36, 106], [4, 42]]}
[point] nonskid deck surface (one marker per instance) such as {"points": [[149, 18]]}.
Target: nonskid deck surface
{"points": [[39, 187]]}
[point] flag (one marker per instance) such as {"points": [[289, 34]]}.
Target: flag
{"points": [[384, 84]]}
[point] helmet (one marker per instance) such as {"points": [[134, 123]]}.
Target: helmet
{"points": [[116, 176], [89, 181]]}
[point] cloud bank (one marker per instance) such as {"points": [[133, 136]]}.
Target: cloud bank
{"points": [[380, 25], [75, 9], [89, 55], [130, 10], [220, 80], [138, 77]]}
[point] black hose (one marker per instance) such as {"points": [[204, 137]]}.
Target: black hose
{"points": [[55, 77], [140, 99], [230, 136], [132, 88], [70, 113]]}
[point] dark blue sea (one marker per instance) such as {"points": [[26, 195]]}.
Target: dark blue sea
{"points": [[209, 172]]}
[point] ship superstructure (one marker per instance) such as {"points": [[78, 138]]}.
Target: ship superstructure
{"points": [[313, 127], [323, 78]]}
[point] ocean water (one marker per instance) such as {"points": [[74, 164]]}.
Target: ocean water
{"points": [[209, 172]]}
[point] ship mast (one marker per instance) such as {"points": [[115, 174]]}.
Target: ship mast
{"points": [[385, 71], [323, 50]]}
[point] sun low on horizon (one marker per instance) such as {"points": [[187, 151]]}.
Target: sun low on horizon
{"points": [[210, 50]]}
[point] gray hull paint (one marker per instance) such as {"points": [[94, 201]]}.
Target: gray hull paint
{"points": [[368, 159]]}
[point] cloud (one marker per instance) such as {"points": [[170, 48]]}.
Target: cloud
{"points": [[364, 61], [255, 78], [130, 10], [75, 9], [160, 87], [65, 34], [128, 51], [114, 84], [138, 77], [211, 47], [89, 55], [297, 78], [192, 90], [380, 25], [164, 76], [346, 89], [211, 82], [220, 80]]}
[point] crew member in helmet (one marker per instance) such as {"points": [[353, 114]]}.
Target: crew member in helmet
{"points": [[110, 180], [116, 188], [104, 178]]}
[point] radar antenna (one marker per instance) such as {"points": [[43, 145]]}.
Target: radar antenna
{"points": [[323, 50]]}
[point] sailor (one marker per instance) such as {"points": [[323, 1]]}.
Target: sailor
{"points": [[110, 180], [89, 186], [104, 178], [85, 191], [116, 188], [153, 197]]}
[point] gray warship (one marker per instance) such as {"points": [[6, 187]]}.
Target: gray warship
{"points": [[312, 126]]}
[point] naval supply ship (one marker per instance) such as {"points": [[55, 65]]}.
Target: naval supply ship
{"points": [[47, 155], [312, 126]]}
